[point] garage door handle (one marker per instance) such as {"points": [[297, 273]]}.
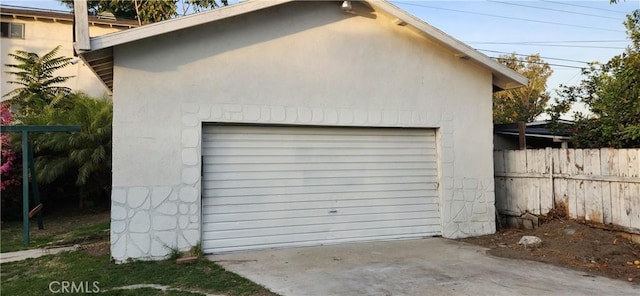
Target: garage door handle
{"points": [[333, 212]]}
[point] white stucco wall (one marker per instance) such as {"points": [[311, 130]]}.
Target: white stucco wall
{"points": [[303, 63], [41, 36]]}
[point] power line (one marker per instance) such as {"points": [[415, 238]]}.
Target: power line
{"points": [[524, 55], [545, 63], [556, 10], [543, 42], [511, 18], [588, 7], [552, 45]]}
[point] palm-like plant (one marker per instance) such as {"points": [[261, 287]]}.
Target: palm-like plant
{"points": [[34, 75], [86, 154]]}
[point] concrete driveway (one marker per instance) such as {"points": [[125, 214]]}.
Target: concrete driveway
{"points": [[432, 266]]}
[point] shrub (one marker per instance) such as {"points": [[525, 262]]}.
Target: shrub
{"points": [[83, 157]]}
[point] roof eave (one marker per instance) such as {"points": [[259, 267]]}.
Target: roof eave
{"points": [[176, 24], [502, 77]]}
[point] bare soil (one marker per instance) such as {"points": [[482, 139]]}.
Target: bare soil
{"points": [[572, 245]]}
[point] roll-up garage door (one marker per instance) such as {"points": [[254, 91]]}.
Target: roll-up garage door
{"points": [[274, 186]]}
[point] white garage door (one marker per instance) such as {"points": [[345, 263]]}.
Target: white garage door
{"points": [[267, 186]]}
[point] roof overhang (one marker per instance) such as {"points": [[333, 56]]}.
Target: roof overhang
{"points": [[61, 16], [555, 138], [100, 56]]}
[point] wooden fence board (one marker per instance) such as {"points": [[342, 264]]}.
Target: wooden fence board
{"points": [[634, 189], [555, 156], [606, 157], [625, 192], [501, 196], [617, 203], [577, 168], [593, 189], [626, 209], [617, 190], [498, 160], [597, 185], [546, 185], [510, 163], [512, 193]]}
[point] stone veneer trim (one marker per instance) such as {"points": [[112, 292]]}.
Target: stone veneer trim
{"points": [[147, 221]]}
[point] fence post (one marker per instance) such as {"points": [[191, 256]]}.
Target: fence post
{"points": [[522, 135]]}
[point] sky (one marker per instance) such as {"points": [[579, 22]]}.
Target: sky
{"points": [[567, 34]]}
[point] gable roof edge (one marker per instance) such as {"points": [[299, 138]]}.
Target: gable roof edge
{"points": [[503, 76], [176, 24]]}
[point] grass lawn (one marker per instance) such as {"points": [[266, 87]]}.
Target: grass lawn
{"points": [[92, 264], [58, 230], [90, 267]]}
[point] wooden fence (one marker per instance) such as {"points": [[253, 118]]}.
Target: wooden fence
{"points": [[600, 186]]}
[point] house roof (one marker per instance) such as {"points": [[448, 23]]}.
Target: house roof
{"points": [[17, 12], [538, 129], [100, 56]]}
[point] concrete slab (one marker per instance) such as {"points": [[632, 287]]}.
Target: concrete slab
{"points": [[410, 267]]}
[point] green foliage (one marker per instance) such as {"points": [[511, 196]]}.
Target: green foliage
{"points": [[196, 250], [75, 162], [37, 84], [146, 11], [174, 252], [611, 91], [86, 154], [525, 103], [199, 5]]}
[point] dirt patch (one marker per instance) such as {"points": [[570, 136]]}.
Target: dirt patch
{"points": [[571, 245], [96, 249]]}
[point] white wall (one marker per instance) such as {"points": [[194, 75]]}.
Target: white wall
{"points": [[301, 63], [41, 37]]}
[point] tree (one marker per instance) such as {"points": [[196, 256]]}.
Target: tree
{"points": [[35, 76], [79, 162], [525, 103], [611, 92], [146, 11], [85, 155]]}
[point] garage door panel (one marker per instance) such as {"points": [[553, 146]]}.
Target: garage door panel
{"points": [[319, 212], [338, 205], [300, 159], [396, 210], [210, 167], [226, 176], [313, 238], [238, 200], [319, 151], [323, 181], [321, 226], [287, 186], [210, 244], [324, 134], [312, 144], [276, 190], [250, 223]]}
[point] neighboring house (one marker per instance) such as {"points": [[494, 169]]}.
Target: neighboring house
{"points": [[40, 31], [538, 134], [278, 124]]}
